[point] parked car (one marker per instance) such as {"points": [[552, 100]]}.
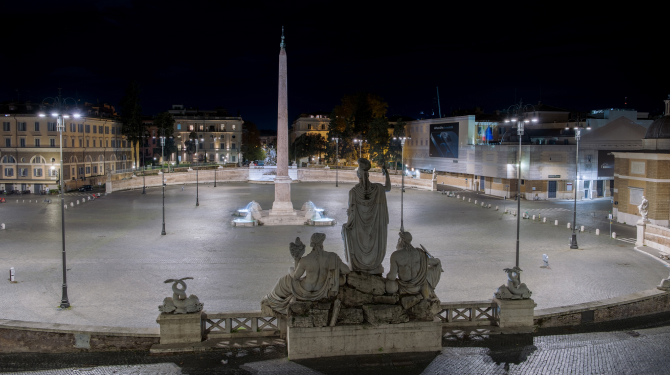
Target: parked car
{"points": [[86, 188]]}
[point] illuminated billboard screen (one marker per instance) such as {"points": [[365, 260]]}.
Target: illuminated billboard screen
{"points": [[443, 140]]}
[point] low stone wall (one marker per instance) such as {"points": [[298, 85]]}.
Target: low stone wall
{"points": [[657, 237], [629, 306], [178, 178], [350, 176], [34, 337], [242, 175]]}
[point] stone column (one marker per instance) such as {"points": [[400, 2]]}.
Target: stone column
{"points": [[282, 204]]}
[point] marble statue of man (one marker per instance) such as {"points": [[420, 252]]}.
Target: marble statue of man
{"points": [[364, 234], [321, 270], [417, 271], [644, 208]]}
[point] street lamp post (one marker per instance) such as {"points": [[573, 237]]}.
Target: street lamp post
{"points": [[144, 165], [162, 157], [402, 178], [360, 146], [197, 195], [520, 118], [58, 112], [337, 158], [215, 176], [578, 132]]}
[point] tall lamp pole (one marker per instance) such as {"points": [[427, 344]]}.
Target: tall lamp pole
{"points": [[337, 158], [58, 112], [162, 153], [578, 133], [519, 116], [197, 195], [360, 146], [402, 178], [144, 164]]}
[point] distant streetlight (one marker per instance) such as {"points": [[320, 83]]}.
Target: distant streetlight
{"points": [[360, 146], [60, 112], [578, 131], [162, 158]]}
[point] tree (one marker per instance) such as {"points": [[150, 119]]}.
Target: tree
{"points": [[251, 142], [131, 117], [378, 138], [395, 148], [307, 145], [164, 122], [352, 119]]}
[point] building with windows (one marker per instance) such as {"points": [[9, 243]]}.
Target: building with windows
{"points": [[314, 122], [219, 135], [30, 154], [479, 152]]}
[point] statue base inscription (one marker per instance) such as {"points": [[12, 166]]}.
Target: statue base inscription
{"points": [[360, 339]]}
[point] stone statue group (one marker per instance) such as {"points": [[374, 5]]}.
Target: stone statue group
{"points": [[321, 277]]}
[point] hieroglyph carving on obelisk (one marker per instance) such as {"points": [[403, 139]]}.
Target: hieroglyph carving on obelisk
{"points": [[282, 204]]}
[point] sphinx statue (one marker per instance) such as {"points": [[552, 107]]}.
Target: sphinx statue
{"points": [[514, 289], [364, 234], [316, 276], [416, 270]]}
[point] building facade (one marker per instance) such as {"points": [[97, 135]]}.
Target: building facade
{"points": [[30, 147], [313, 122], [218, 133], [455, 148]]}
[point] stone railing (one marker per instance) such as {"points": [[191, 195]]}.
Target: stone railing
{"points": [[468, 313], [240, 324], [657, 237]]}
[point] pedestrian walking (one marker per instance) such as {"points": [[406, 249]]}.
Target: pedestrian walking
{"points": [[182, 188]]}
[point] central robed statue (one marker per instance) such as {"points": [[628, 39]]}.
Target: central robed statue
{"points": [[365, 231]]}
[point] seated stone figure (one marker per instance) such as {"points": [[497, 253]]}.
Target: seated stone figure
{"points": [[417, 271], [321, 270]]}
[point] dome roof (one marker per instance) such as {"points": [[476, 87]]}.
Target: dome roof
{"points": [[660, 128]]}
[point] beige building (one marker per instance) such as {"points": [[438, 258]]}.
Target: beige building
{"points": [[219, 135], [30, 147], [314, 122], [645, 173]]}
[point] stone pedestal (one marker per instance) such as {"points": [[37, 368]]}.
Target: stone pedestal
{"points": [[180, 328], [363, 339], [515, 313], [282, 204], [641, 227]]}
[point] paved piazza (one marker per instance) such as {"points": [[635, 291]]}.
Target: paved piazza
{"points": [[118, 260]]}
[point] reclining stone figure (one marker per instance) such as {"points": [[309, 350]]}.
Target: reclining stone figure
{"points": [[322, 272], [417, 271], [515, 289]]}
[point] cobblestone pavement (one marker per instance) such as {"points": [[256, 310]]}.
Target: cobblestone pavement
{"points": [[117, 259], [636, 346]]}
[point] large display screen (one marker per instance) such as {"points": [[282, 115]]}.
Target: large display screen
{"points": [[443, 140], [605, 163]]}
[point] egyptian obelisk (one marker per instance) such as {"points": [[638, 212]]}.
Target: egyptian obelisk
{"points": [[282, 204]]}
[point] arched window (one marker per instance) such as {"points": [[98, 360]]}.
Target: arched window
{"points": [[8, 159], [101, 158], [73, 159], [37, 160], [88, 159]]}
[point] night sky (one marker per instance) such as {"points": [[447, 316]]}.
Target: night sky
{"points": [[225, 53]]}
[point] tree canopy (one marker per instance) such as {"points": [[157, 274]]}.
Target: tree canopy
{"points": [[307, 145], [251, 144]]}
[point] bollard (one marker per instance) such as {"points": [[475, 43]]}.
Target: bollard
{"points": [[533, 217], [514, 213], [597, 232], [613, 234], [17, 201], [30, 201], [2, 226], [24, 201], [77, 201], [505, 210], [568, 225], [469, 200], [463, 198], [496, 208], [544, 219], [482, 204], [65, 206], [581, 229], [475, 201], [556, 222], [71, 204], [12, 275]]}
